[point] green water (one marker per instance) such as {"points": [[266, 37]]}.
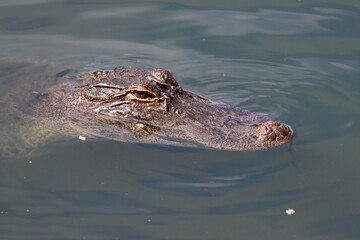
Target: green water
{"points": [[297, 61]]}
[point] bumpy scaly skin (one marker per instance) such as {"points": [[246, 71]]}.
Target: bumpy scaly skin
{"points": [[132, 104]]}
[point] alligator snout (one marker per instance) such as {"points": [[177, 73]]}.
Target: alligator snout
{"points": [[272, 133]]}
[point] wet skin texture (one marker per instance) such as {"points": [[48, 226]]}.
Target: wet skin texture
{"points": [[136, 105]]}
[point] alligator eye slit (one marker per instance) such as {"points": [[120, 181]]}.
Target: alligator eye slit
{"points": [[164, 86], [143, 94]]}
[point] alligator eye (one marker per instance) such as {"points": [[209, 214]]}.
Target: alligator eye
{"points": [[143, 94]]}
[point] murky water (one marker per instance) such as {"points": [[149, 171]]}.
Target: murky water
{"points": [[295, 61]]}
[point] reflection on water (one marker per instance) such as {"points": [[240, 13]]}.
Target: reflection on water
{"points": [[6, 3], [299, 65], [128, 187], [195, 181], [235, 23], [226, 22]]}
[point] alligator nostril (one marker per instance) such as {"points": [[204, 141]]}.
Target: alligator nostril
{"points": [[272, 132], [283, 131]]}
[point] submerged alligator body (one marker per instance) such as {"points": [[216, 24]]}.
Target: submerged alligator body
{"points": [[135, 105]]}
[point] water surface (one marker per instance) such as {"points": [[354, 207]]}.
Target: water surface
{"points": [[295, 61]]}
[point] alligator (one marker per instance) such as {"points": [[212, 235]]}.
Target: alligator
{"points": [[149, 106]]}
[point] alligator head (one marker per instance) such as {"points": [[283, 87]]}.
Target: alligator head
{"points": [[151, 104]]}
